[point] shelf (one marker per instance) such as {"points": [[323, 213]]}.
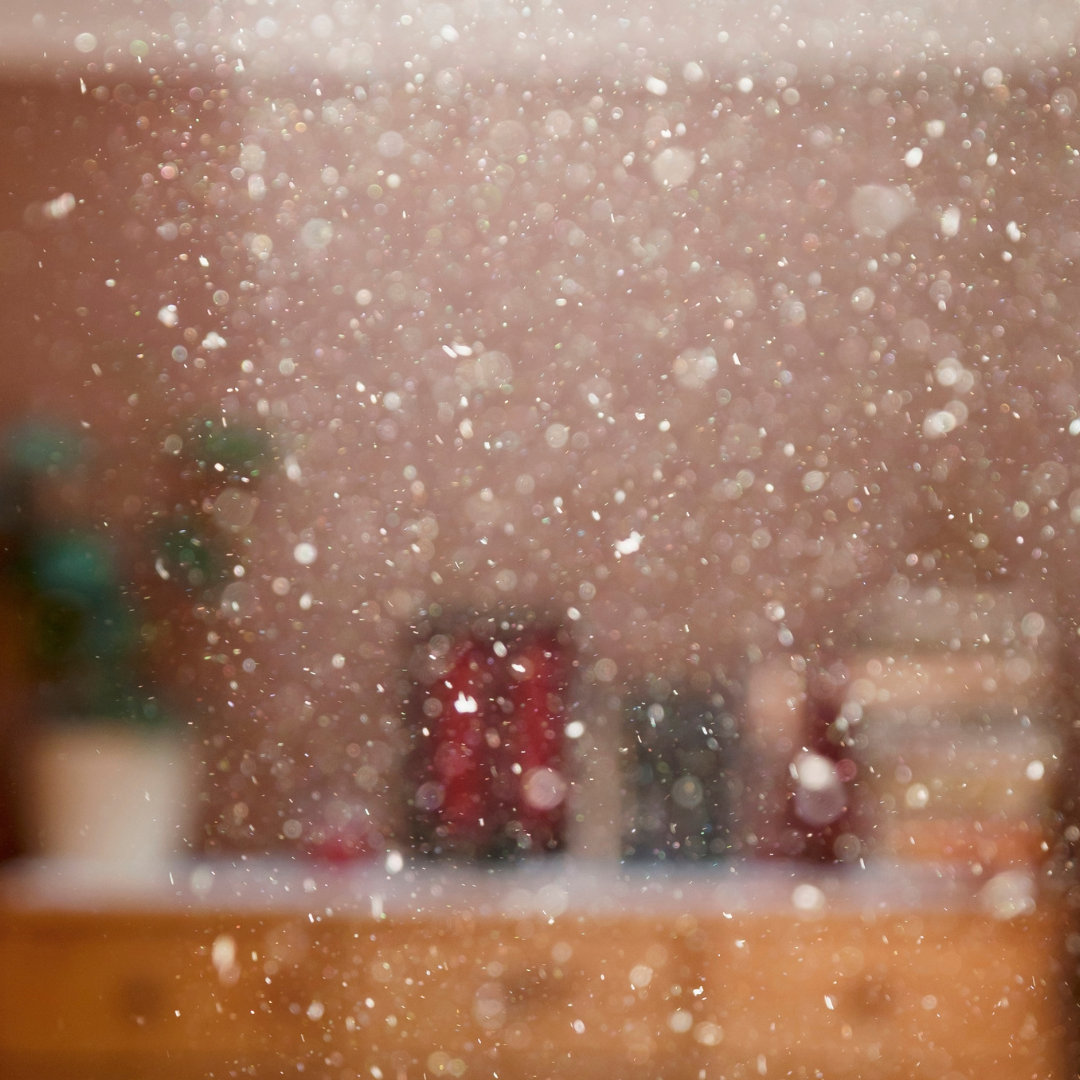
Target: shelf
{"points": [[549, 887], [547, 970]]}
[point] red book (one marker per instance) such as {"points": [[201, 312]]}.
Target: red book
{"points": [[456, 783], [531, 749], [491, 778]]}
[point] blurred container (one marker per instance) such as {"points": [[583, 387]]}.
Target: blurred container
{"points": [[452, 802], [530, 783], [974, 792], [948, 769], [684, 784], [488, 733], [955, 741], [110, 792]]}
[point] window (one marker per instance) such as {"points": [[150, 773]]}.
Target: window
{"points": [[539, 541]]}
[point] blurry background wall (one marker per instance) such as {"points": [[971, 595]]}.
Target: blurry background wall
{"points": [[692, 358]]}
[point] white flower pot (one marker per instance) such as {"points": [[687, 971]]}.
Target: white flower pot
{"points": [[105, 791]]}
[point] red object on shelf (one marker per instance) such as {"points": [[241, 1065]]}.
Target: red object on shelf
{"points": [[460, 779], [533, 744], [358, 838], [491, 778]]}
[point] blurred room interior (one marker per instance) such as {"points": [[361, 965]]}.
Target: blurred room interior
{"points": [[539, 543]]}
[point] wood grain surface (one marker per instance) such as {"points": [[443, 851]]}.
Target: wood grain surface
{"points": [[934, 994]]}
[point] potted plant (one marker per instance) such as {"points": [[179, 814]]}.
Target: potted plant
{"points": [[109, 774]]}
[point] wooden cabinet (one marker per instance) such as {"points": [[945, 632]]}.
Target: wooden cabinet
{"points": [[672, 989]]}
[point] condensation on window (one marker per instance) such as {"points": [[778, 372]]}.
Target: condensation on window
{"points": [[604, 503]]}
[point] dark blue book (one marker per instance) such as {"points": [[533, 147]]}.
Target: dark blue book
{"points": [[683, 786]]}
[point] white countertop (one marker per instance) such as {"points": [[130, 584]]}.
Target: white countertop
{"points": [[547, 889]]}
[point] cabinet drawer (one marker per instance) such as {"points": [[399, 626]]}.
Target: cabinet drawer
{"points": [[131, 987], [961, 994], [527, 987], [105, 995], [937, 995]]}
